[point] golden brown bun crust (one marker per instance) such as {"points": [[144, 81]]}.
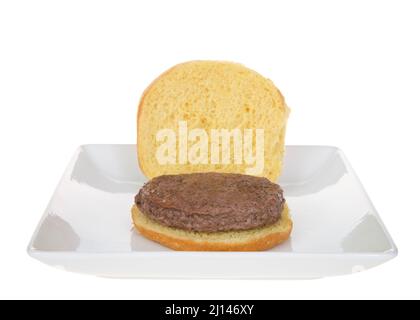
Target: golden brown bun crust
{"points": [[251, 240]]}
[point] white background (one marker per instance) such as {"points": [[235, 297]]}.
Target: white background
{"points": [[72, 72]]}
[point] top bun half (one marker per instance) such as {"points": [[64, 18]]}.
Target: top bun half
{"points": [[216, 98]]}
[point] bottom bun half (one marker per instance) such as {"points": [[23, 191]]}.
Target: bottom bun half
{"points": [[257, 239]]}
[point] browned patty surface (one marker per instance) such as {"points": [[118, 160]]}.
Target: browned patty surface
{"points": [[211, 202]]}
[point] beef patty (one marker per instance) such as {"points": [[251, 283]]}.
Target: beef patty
{"points": [[211, 202]]}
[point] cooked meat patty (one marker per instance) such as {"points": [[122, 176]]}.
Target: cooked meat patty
{"points": [[211, 202]]}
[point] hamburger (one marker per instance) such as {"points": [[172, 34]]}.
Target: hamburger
{"points": [[215, 194]]}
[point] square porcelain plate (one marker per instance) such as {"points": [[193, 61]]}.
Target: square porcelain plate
{"points": [[87, 227]]}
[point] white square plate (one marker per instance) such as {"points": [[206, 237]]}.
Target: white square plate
{"points": [[87, 226]]}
